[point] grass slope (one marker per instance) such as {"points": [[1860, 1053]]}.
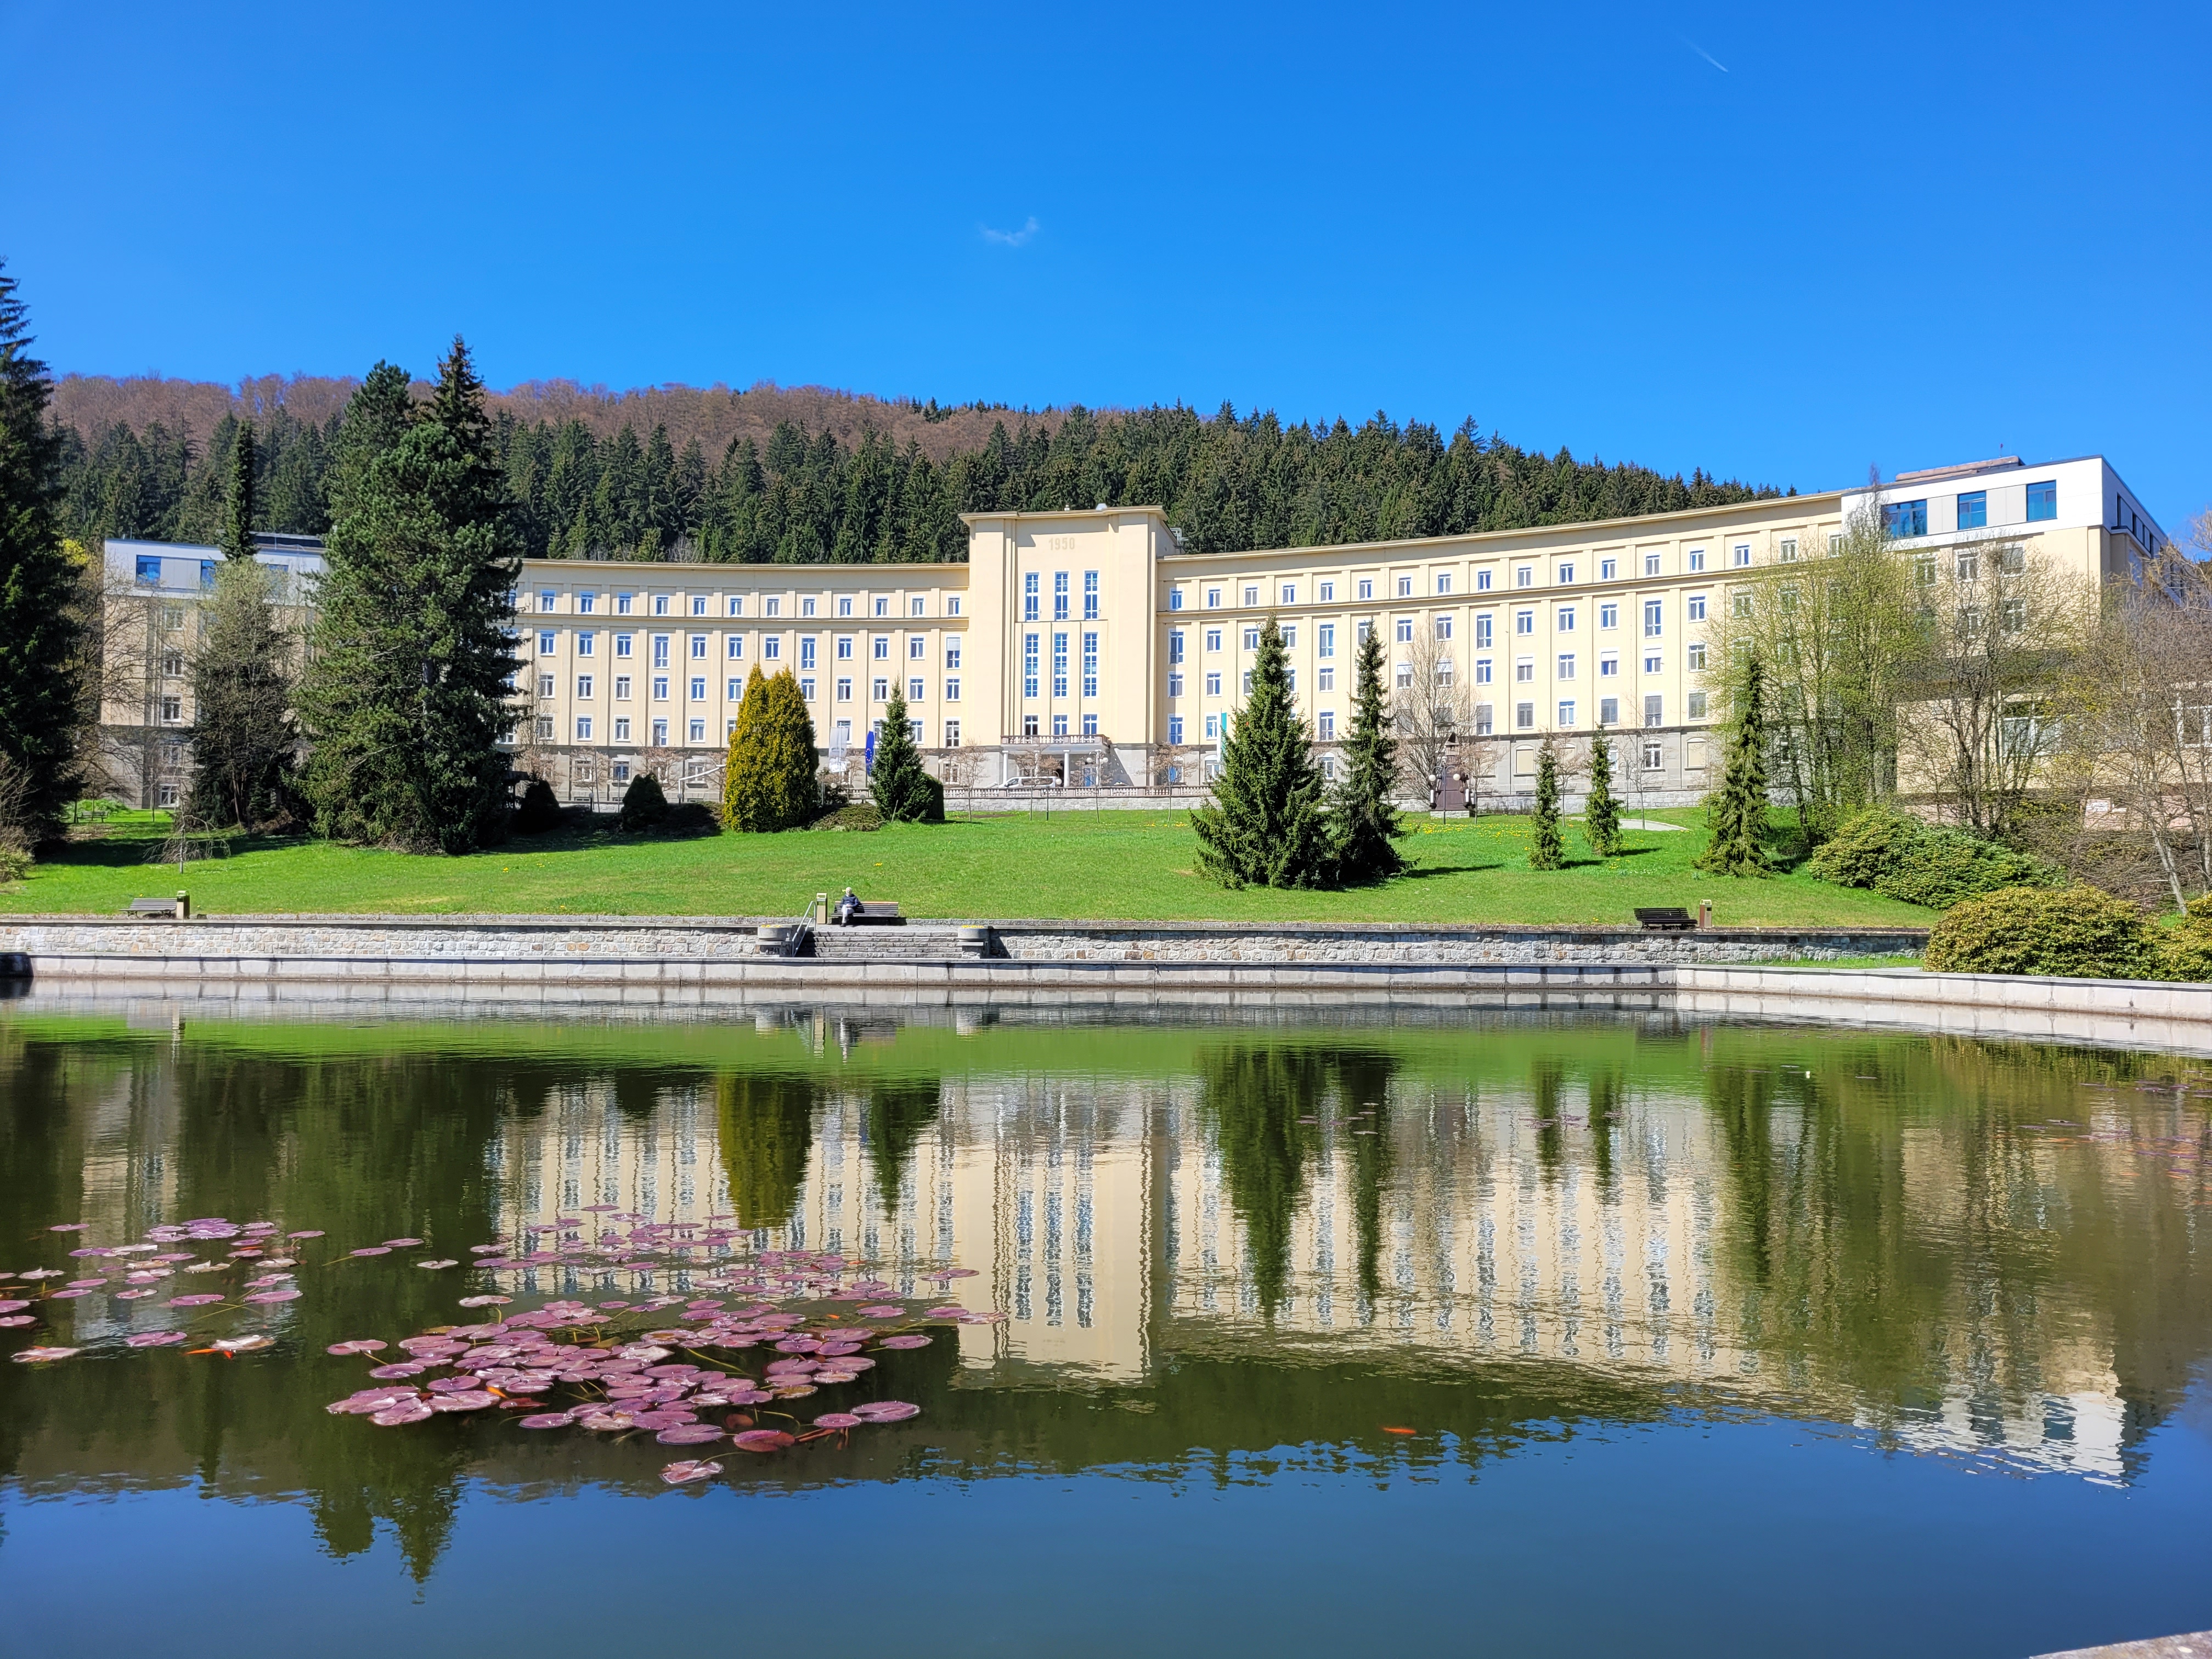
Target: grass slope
{"points": [[1114, 865]]}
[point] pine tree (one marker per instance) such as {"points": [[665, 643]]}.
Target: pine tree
{"points": [[1736, 812], [1601, 810], [1266, 827], [40, 632], [244, 742], [407, 694], [238, 498], [905, 793], [1547, 850], [769, 782], [1363, 822]]}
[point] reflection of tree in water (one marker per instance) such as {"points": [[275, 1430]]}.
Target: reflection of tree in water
{"points": [[1544, 1080], [1604, 1097], [895, 1114], [1254, 1097], [766, 1122]]}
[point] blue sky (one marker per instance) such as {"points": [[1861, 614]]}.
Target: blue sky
{"points": [[1785, 243]]}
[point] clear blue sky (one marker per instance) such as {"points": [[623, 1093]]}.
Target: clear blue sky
{"points": [[1782, 242]]}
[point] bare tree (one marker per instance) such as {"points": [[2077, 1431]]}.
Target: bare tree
{"points": [[1429, 704], [1978, 726]]}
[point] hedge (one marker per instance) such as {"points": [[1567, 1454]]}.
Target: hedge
{"points": [[1899, 857]]}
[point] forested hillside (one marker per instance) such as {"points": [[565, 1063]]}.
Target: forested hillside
{"points": [[807, 476]]}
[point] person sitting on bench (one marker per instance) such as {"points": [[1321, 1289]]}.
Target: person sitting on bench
{"points": [[847, 908]]}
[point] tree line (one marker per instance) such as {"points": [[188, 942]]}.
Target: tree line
{"points": [[1228, 483]]}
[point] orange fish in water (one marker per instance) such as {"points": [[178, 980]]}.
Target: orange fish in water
{"points": [[1386, 1430]]}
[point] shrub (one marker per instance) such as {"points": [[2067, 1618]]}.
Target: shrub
{"points": [[859, 815], [768, 781], [693, 817], [2186, 954], [1901, 858], [644, 804], [540, 810], [2076, 931], [15, 864]]}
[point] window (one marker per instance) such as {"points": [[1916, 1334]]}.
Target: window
{"points": [[1697, 705], [660, 688], [844, 648], [844, 605], [1214, 639], [1654, 708], [917, 647], [1651, 564], [660, 650], [1367, 590], [1325, 725], [1252, 596], [173, 665], [149, 568], [880, 647], [1482, 671], [1608, 711], [1789, 550], [880, 689], [915, 690], [1524, 575], [1030, 596], [1090, 596], [1290, 593], [698, 731], [953, 609], [1693, 656], [1566, 665], [1175, 684], [776, 607], [952, 691], [1742, 554], [1482, 581], [620, 770], [2012, 561], [1029, 665], [1608, 615], [1328, 593], [172, 711], [734, 690], [583, 685], [698, 688], [585, 642], [2043, 501], [1444, 581], [544, 685], [699, 647], [2012, 615], [1567, 574], [173, 616], [622, 688], [545, 643], [1060, 596], [917, 608], [1654, 624], [1405, 677], [1482, 631], [1485, 718], [1524, 621], [1524, 716], [1060, 725], [882, 606], [1091, 665], [1213, 599], [1923, 570], [1361, 631], [661, 604], [621, 605], [1251, 639], [1326, 680], [1175, 729], [699, 606], [546, 599], [952, 734], [1905, 518], [1060, 665], [1740, 604], [1567, 619], [772, 647], [1696, 559], [660, 734], [737, 606], [1608, 667], [622, 644], [1969, 564], [844, 689], [1175, 646], [1607, 569], [1787, 599], [1652, 663], [1175, 598], [1213, 685], [622, 735], [1405, 630], [1325, 640], [1443, 628], [1654, 758], [1696, 611], [1524, 669], [1212, 726], [545, 727]]}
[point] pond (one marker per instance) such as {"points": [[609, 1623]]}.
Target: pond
{"points": [[1522, 1336]]}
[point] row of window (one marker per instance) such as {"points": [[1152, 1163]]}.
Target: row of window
{"points": [[734, 689], [661, 646], [1524, 622], [1524, 669], [619, 730], [1213, 727], [702, 605], [1973, 508], [1033, 597], [1032, 659], [1564, 574]]}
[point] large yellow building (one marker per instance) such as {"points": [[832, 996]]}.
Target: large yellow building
{"points": [[1087, 647]]}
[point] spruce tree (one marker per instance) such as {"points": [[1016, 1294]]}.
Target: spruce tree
{"points": [[237, 496], [40, 631], [1601, 810], [1736, 812], [769, 782], [1547, 850], [408, 692], [740, 764], [1363, 822], [1266, 827], [244, 742], [904, 790]]}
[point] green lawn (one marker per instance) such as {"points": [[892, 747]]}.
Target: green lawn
{"points": [[1107, 865]]}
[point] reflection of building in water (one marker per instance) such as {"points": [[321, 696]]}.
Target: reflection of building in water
{"points": [[1101, 1217]]}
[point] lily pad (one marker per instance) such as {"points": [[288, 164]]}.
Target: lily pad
{"points": [[753, 1440], [677, 1474]]}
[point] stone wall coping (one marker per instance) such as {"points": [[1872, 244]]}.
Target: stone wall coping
{"points": [[1593, 931]]}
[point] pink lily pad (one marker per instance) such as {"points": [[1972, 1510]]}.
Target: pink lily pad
{"points": [[36, 1356], [687, 1434], [400, 1244], [475, 1400], [838, 1420], [884, 1310], [908, 1341], [153, 1340], [199, 1301], [887, 1411], [757, 1440], [8, 1321], [270, 1298], [372, 1250], [549, 1420], [677, 1474], [397, 1416], [357, 1345]]}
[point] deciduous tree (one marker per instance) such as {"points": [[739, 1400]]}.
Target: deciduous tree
{"points": [[245, 744]]}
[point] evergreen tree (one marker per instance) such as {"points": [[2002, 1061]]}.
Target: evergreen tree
{"points": [[407, 696], [238, 499], [1266, 827], [1601, 810], [1363, 822], [40, 631], [770, 780], [1736, 812], [244, 742], [905, 793], [1547, 850]]}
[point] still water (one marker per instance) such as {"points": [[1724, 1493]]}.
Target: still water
{"points": [[1486, 1335]]}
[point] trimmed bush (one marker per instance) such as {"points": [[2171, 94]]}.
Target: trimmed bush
{"points": [[15, 864], [540, 810], [855, 815], [693, 817], [2076, 931], [644, 805], [1901, 858], [2186, 954]]}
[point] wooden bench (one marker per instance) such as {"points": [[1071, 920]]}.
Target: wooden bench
{"points": [[872, 913], [1665, 920], [168, 909]]}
